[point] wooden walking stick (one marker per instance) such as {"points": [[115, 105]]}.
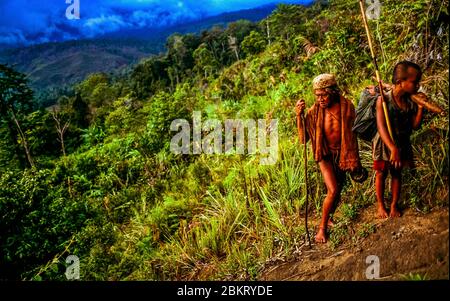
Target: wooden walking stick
{"points": [[301, 120], [377, 72]]}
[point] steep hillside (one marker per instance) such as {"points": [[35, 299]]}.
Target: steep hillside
{"points": [[111, 191], [414, 247]]}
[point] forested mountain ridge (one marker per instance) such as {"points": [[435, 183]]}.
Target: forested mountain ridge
{"points": [[52, 68]]}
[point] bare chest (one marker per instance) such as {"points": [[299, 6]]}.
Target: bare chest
{"points": [[332, 127]]}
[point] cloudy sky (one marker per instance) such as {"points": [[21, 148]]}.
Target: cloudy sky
{"points": [[24, 22]]}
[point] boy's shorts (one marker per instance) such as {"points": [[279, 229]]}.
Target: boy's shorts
{"points": [[385, 166]]}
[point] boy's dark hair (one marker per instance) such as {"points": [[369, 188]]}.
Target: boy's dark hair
{"points": [[401, 71]]}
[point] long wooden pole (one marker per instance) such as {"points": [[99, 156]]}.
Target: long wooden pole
{"points": [[301, 120], [377, 72]]}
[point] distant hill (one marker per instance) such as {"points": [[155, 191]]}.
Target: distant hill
{"points": [[56, 65]]}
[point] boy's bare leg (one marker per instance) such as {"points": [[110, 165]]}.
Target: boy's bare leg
{"points": [[396, 183], [329, 178], [380, 178]]}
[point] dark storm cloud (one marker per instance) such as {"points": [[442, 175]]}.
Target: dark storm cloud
{"points": [[25, 22]]}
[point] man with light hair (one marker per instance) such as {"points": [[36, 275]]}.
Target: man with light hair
{"points": [[329, 127]]}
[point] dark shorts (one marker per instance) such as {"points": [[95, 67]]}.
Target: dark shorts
{"points": [[385, 166]]}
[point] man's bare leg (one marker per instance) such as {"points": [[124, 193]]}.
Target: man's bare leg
{"points": [[396, 183], [380, 178], [336, 202], [341, 182], [330, 222], [329, 178]]}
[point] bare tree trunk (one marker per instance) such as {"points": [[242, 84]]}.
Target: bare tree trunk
{"points": [[236, 53], [17, 147], [268, 32], [22, 136], [61, 130], [232, 42]]}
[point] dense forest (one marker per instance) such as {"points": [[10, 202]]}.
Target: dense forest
{"points": [[93, 175]]}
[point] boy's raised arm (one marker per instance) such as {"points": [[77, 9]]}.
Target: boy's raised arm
{"points": [[418, 116]]}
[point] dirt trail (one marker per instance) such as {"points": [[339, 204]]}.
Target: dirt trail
{"points": [[416, 243]]}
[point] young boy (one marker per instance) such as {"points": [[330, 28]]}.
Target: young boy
{"points": [[329, 126], [392, 155]]}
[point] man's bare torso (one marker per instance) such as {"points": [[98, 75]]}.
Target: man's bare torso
{"points": [[332, 126]]}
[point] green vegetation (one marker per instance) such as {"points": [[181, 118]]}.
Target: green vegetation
{"points": [[115, 195], [415, 277]]}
